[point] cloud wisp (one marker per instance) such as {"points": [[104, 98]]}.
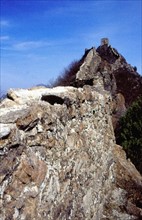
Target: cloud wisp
{"points": [[4, 23], [21, 46], [4, 38], [28, 45]]}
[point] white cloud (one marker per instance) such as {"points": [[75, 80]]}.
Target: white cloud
{"points": [[27, 45], [3, 38], [4, 23]]}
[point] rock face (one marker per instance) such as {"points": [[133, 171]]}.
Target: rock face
{"points": [[59, 159]]}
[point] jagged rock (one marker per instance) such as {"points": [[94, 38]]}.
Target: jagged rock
{"points": [[4, 130], [25, 96], [90, 66], [118, 108], [59, 159]]}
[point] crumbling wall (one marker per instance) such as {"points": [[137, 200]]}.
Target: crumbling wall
{"points": [[58, 157]]}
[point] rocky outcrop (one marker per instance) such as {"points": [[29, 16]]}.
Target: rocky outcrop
{"points": [[59, 159]]}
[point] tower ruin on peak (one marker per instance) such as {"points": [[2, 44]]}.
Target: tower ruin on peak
{"points": [[104, 41]]}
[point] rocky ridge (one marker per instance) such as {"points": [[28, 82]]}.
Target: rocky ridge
{"points": [[59, 159]]}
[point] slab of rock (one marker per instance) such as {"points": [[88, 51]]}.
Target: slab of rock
{"points": [[26, 96], [4, 130]]}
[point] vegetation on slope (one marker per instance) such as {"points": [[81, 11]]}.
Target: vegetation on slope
{"points": [[130, 133], [68, 77], [129, 83], [69, 74]]}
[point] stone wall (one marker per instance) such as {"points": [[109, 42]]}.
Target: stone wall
{"points": [[58, 157]]}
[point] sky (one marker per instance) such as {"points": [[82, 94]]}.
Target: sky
{"points": [[39, 38]]}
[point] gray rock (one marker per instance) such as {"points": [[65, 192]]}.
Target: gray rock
{"points": [[4, 130], [11, 114]]}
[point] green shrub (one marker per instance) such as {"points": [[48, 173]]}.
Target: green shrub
{"points": [[130, 133]]}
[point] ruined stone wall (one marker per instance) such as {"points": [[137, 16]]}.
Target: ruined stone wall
{"points": [[59, 164], [58, 157]]}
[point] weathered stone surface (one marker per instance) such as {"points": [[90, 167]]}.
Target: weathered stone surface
{"points": [[11, 114], [118, 108], [4, 130], [91, 64], [24, 96], [59, 159], [130, 180]]}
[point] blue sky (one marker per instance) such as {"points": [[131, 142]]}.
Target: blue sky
{"points": [[39, 38]]}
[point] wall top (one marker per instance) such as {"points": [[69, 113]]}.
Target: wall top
{"points": [[104, 41]]}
